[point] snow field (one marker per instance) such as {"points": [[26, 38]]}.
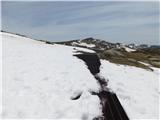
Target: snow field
{"points": [[40, 79], [136, 88]]}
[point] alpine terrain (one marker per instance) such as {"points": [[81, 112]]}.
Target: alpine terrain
{"points": [[88, 79]]}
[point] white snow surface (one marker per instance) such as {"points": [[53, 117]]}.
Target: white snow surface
{"points": [[129, 49], [84, 44], [40, 79], [87, 45], [136, 88]]}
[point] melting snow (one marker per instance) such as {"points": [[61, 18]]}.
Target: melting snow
{"points": [[84, 44], [87, 45], [40, 79], [136, 88], [129, 49]]}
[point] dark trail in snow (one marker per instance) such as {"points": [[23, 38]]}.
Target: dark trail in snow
{"points": [[92, 61], [111, 106]]}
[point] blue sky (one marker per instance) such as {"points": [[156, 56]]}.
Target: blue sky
{"points": [[125, 22]]}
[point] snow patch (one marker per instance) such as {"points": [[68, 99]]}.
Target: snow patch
{"points": [[129, 49], [136, 88], [83, 44], [39, 80], [87, 45]]}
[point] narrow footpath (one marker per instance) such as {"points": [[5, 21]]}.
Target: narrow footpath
{"points": [[111, 106]]}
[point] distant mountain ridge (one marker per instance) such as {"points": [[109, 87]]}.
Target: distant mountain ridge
{"points": [[101, 44], [126, 54]]}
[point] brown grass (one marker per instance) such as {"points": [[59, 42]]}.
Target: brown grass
{"points": [[131, 58]]}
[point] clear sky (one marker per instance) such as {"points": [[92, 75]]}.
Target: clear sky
{"points": [[125, 22]]}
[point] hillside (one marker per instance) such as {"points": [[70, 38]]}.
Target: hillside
{"points": [[40, 80], [48, 81], [141, 56]]}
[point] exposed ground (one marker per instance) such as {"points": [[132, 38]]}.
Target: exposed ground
{"points": [[144, 58], [111, 106]]}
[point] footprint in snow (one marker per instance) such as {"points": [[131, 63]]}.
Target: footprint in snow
{"points": [[76, 95]]}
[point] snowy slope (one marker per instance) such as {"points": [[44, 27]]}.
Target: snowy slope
{"points": [[136, 88], [39, 81]]}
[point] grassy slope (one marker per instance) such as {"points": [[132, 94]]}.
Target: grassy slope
{"points": [[149, 56]]}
